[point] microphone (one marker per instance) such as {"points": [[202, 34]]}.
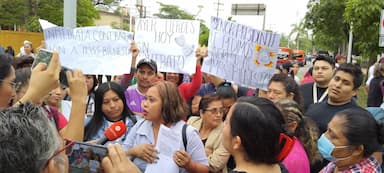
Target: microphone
{"points": [[116, 130]]}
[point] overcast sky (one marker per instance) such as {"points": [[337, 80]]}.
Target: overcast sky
{"points": [[280, 15]]}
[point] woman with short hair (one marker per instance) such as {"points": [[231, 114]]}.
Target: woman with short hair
{"points": [[210, 125], [163, 106]]}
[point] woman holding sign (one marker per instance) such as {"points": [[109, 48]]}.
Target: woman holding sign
{"points": [[164, 109]]}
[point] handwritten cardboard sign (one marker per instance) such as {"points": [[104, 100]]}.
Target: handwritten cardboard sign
{"points": [[240, 53], [94, 50], [170, 42]]}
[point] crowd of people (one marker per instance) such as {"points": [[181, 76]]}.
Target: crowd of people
{"points": [[222, 126]]}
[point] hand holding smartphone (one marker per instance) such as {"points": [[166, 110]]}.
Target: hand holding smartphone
{"points": [[45, 56]]}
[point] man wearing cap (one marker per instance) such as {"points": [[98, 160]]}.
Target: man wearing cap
{"points": [[146, 72]]}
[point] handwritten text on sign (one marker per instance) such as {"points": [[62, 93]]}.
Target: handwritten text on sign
{"points": [[94, 50], [171, 43], [241, 54]]}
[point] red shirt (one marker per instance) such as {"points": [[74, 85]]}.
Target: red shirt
{"points": [[188, 90]]}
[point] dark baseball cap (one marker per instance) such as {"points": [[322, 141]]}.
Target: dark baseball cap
{"points": [[150, 62]]}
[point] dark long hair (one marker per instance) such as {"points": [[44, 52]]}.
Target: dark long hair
{"points": [[253, 126], [5, 66], [97, 119], [360, 128]]}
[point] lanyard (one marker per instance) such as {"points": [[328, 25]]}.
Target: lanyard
{"points": [[315, 94]]}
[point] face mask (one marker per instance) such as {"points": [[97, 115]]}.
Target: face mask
{"points": [[326, 148]]}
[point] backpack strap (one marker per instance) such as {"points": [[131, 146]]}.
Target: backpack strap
{"points": [[184, 134], [382, 88]]}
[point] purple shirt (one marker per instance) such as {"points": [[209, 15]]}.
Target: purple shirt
{"points": [[134, 98]]}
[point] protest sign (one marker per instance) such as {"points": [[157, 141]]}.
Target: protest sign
{"points": [[94, 50], [171, 43], [241, 54]]}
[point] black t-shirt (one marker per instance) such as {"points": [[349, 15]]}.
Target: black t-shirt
{"points": [[375, 97], [307, 93], [323, 112]]}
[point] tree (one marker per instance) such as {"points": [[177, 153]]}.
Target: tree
{"points": [[330, 30], [173, 12], [330, 21], [12, 13], [27, 12], [300, 33], [365, 18]]}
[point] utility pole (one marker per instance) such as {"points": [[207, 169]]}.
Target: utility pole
{"points": [[349, 55], [70, 7], [142, 9], [218, 9]]}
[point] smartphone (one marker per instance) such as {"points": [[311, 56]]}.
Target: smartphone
{"points": [[63, 76], [44, 56], [86, 157]]}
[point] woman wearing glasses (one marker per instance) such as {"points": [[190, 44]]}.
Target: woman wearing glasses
{"points": [[210, 125], [7, 78], [43, 80]]}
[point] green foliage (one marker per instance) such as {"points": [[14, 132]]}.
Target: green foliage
{"points": [[86, 13], [329, 27], [12, 13], [27, 13], [123, 26], [330, 22], [108, 1], [204, 35], [173, 12], [283, 40], [365, 18], [301, 37]]}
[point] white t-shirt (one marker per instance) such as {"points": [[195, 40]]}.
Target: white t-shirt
{"points": [[371, 70]]}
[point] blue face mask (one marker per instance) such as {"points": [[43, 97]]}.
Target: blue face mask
{"points": [[326, 148]]}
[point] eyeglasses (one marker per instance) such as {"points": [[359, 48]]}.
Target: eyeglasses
{"points": [[67, 148], [216, 110], [14, 85]]}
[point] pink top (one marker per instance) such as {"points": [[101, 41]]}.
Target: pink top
{"points": [[297, 160]]}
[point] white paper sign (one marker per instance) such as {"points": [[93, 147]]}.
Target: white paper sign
{"points": [[241, 54], [94, 50], [168, 142], [170, 42]]}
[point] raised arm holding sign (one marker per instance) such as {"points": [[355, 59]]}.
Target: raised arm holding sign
{"points": [[170, 42]]}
